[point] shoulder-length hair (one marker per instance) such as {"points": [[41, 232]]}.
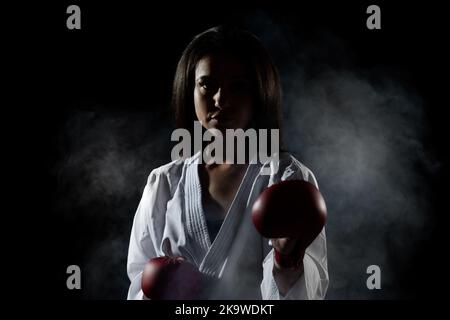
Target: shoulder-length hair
{"points": [[247, 48]]}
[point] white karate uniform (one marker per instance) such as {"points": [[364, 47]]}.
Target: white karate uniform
{"points": [[170, 221]]}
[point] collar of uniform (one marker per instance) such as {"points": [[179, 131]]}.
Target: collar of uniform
{"points": [[214, 254]]}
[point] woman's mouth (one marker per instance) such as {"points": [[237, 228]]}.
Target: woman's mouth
{"points": [[220, 117]]}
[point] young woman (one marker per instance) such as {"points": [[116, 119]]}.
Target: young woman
{"points": [[225, 80]]}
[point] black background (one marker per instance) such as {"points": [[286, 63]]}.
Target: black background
{"points": [[123, 59]]}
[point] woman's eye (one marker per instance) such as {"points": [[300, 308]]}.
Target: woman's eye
{"points": [[207, 86]]}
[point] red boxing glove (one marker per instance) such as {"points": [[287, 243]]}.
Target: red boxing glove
{"points": [[290, 209], [166, 278]]}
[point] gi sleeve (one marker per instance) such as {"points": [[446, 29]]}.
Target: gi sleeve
{"points": [[147, 230], [313, 283]]}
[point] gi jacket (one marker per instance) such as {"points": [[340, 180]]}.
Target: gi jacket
{"points": [[170, 221]]}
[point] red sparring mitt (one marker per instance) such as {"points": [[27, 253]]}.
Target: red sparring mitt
{"points": [[290, 209], [166, 278]]}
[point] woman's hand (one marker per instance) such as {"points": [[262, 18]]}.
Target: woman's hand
{"points": [[292, 213]]}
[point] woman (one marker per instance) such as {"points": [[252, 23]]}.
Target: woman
{"points": [[226, 80]]}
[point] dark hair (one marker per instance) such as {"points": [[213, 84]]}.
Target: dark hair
{"points": [[246, 47]]}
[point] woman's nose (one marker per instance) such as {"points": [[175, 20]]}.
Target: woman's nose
{"points": [[219, 99]]}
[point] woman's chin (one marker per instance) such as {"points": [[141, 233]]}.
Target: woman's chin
{"points": [[221, 124]]}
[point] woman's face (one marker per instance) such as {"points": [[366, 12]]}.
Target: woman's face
{"points": [[223, 93]]}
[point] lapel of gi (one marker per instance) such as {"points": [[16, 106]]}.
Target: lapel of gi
{"points": [[216, 254]]}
